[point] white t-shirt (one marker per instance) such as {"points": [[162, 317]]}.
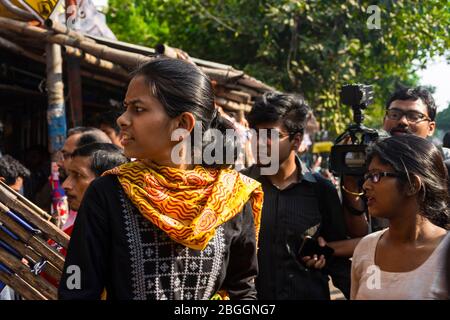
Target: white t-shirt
{"points": [[369, 282]]}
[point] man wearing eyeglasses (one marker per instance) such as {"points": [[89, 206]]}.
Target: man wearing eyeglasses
{"points": [[297, 203], [410, 111]]}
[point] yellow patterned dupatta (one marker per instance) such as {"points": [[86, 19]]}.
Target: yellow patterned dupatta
{"points": [[189, 205]]}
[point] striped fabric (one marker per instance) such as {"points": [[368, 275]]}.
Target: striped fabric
{"points": [[189, 204]]}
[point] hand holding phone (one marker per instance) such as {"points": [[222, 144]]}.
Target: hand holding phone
{"points": [[311, 247]]}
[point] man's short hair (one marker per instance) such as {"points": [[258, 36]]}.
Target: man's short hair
{"points": [[104, 156], [88, 135], [291, 109], [446, 141], [11, 169], [77, 130], [405, 93], [109, 118], [93, 136]]}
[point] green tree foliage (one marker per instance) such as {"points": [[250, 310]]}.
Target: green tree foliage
{"points": [[443, 119], [312, 47]]}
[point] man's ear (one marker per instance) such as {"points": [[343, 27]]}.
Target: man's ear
{"points": [[2, 179], [432, 127], [297, 141]]}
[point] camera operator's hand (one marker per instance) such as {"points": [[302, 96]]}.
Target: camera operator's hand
{"points": [[315, 261], [352, 192], [353, 204]]}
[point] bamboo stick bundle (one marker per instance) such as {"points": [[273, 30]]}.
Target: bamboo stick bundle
{"points": [[223, 76], [10, 198], [234, 95], [36, 281], [11, 279], [172, 53], [232, 106], [29, 254], [241, 88], [31, 239], [24, 272], [254, 84]]}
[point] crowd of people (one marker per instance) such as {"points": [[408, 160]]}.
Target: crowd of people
{"points": [[145, 225]]}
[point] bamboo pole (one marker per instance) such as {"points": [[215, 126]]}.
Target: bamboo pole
{"points": [[21, 287], [254, 84], [34, 208], [88, 59], [232, 106], [11, 46], [36, 243], [11, 200], [223, 76], [128, 59], [234, 95], [101, 51], [241, 88], [60, 28], [73, 71], [93, 60], [166, 50], [37, 282]]}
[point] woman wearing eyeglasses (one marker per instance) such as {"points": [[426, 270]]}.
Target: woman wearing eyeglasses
{"points": [[406, 184]]}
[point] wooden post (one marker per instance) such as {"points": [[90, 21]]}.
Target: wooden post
{"points": [[73, 71], [56, 117], [75, 94]]}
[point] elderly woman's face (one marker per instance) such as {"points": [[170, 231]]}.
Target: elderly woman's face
{"points": [[145, 127]]}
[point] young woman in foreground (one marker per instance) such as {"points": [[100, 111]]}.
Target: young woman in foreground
{"points": [[157, 228], [406, 184]]}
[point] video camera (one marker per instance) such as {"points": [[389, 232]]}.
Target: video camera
{"points": [[350, 159]]}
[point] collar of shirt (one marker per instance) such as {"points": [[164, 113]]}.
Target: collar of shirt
{"points": [[304, 174]]}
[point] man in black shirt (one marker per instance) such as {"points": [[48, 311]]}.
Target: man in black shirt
{"points": [[297, 203]]}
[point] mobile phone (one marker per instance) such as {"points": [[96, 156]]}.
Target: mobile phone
{"points": [[310, 247]]}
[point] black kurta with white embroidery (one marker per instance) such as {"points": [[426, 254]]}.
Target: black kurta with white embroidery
{"points": [[115, 248]]}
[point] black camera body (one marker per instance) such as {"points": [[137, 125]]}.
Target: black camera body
{"points": [[350, 159]]}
